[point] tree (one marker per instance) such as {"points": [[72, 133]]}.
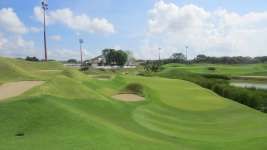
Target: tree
{"points": [[109, 56], [152, 66], [28, 58], [115, 57], [178, 56], [72, 61], [201, 58]]}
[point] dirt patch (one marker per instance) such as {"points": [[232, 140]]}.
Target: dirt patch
{"points": [[13, 89], [128, 97]]}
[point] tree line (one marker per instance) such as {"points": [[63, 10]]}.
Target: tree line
{"points": [[181, 58], [229, 60]]}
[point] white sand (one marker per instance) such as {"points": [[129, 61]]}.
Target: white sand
{"points": [[13, 89], [128, 97]]}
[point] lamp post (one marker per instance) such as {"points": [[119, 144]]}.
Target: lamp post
{"points": [[186, 52], [159, 54], [81, 51], [45, 7]]}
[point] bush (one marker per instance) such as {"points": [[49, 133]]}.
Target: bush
{"points": [[211, 68], [74, 61], [152, 66], [28, 58], [216, 76], [134, 88], [84, 68]]}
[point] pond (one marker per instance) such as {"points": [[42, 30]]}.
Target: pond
{"points": [[250, 85]]}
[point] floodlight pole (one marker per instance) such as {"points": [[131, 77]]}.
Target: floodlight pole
{"points": [[159, 54], [186, 51], [45, 7], [81, 51]]}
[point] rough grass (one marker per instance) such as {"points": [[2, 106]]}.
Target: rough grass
{"points": [[71, 112]]}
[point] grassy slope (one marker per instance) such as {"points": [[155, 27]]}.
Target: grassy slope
{"points": [[72, 111], [235, 70], [16, 70]]}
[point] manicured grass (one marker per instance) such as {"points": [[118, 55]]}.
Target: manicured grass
{"points": [[75, 111], [234, 70], [16, 70]]}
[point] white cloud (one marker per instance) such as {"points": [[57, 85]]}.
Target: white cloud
{"points": [[3, 41], [15, 43], [9, 21], [35, 29], [65, 54], [76, 22], [16, 46], [12, 42], [56, 37], [216, 33], [117, 47]]}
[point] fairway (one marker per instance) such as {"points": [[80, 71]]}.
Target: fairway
{"points": [[72, 110]]}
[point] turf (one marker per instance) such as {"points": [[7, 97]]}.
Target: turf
{"points": [[233, 70], [75, 111]]}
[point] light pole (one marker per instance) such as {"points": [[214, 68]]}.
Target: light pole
{"points": [[45, 7], [186, 52], [81, 51], [159, 53]]}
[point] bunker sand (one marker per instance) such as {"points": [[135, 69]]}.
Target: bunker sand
{"points": [[13, 89], [128, 97]]}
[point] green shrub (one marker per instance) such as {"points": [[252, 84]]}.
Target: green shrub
{"points": [[211, 68], [216, 76], [134, 88], [28, 58]]}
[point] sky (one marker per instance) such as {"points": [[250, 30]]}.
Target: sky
{"points": [[210, 27]]}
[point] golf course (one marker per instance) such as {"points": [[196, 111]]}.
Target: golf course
{"points": [[72, 110]]}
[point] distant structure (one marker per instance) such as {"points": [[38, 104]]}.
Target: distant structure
{"points": [[45, 7], [97, 61]]}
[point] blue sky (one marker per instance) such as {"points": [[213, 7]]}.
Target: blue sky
{"points": [[140, 26]]}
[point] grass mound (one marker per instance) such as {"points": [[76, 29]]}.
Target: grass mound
{"points": [[133, 88], [18, 70], [10, 71]]}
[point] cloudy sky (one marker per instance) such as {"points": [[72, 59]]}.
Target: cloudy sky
{"points": [[211, 27]]}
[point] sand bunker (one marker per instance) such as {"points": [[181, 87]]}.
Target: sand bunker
{"points": [[13, 89], [101, 77], [128, 97], [50, 70]]}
